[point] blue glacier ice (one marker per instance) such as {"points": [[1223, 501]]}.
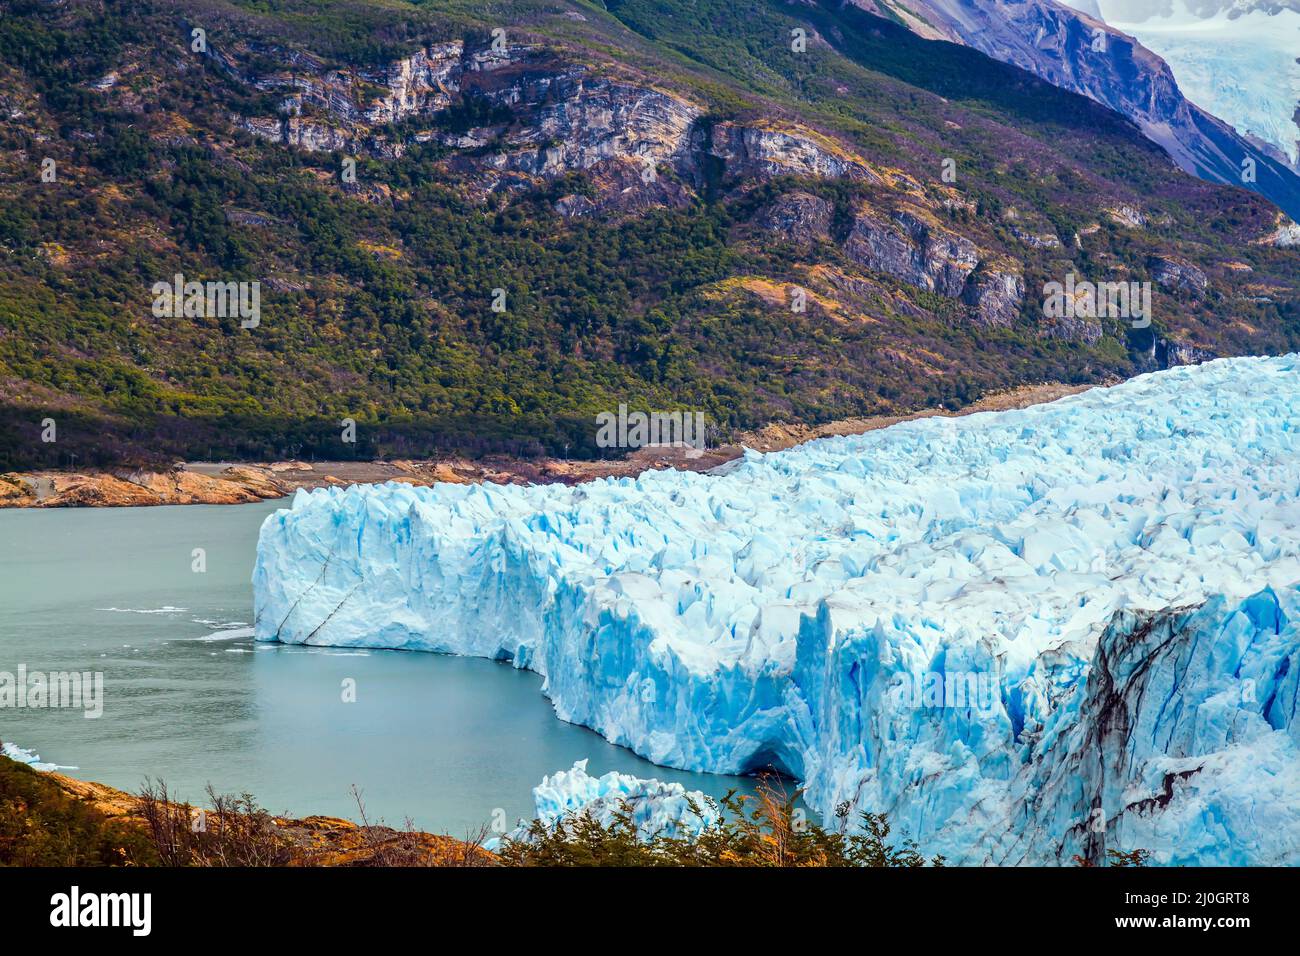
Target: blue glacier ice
{"points": [[655, 807], [29, 757], [1241, 65], [1022, 635]]}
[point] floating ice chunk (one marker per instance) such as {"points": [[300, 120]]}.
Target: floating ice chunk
{"points": [[30, 757], [656, 808]]}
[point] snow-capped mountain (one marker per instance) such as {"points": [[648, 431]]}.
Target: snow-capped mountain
{"points": [[1239, 59], [1080, 48]]}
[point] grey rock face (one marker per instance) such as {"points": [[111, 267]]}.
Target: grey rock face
{"points": [[910, 247], [1178, 275], [1166, 353], [749, 151], [584, 120], [996, 296], [798, 216], [418, 84], [1169, 354], [1287, 235], [1036, 240], [563, 117], [1127, 216], [298, 131], [1077, 52], [1072, 329]]}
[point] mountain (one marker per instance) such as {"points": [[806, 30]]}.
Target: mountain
{"points": [[1240, 60], [1075, 50], [475, 232]]}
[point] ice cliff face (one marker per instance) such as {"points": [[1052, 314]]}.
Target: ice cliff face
{"points": [[1023, 636], [656, 808]]}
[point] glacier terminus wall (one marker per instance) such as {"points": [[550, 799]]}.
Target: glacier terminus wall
{"points": [[1023, 635]]}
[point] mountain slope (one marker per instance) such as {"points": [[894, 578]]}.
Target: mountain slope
{"points": [[647, 186], [1077, 51]]}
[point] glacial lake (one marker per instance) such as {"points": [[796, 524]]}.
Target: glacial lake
{"points": [[191, 698]]}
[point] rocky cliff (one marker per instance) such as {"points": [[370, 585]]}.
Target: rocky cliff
{"points": [[643, 145], [549, 116]]}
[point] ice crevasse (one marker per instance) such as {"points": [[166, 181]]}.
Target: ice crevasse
{"points": [[1022, 635]]}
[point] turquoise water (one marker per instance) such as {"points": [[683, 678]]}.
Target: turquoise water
{"points": [[191, 699]]}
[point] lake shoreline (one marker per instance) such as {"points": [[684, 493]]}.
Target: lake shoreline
{"points": [[308, 841], [159, 601], [220, 483]]}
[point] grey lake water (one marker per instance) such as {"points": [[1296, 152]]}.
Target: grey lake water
{"points": [[192, 699]]}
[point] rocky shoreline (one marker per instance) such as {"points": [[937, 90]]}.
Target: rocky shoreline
{"points": [[314, 840], [223, 483]]}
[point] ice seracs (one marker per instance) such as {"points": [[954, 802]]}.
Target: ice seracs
{"points": [[656, 808], [819, 610]]}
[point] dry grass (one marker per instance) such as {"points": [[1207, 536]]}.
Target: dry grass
{"points": [[236, 831]]}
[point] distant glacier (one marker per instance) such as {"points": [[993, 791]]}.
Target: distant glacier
{"points": [[1239, 61], [1023, 636]]}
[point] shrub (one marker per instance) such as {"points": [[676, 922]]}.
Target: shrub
{"points": [[761, 830], [235, 831], [40, 825]]}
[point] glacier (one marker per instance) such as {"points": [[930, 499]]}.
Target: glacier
{"points": [[1024, 635], [655, 807], [1241, 64], [30, 757]]}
